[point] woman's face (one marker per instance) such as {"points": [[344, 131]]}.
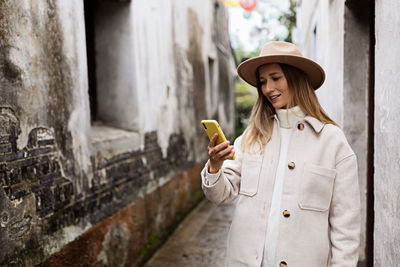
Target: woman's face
{"points": [[274, 85]]}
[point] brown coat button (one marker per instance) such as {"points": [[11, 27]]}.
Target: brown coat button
{"points": [[300, 126], [291, 165], [282, 264], [286, 213]]}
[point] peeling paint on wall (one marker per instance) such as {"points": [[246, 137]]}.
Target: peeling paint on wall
{"points": [[56, 182], [115, 246]]}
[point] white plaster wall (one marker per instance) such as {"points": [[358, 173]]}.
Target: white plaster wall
{"points": [[117, 102], [329, 18], [153, 65], [160, 29], [36, 94], [306, 17], [74, 46], [144, 83], [27, 53], [28, 57], [145, 72], [387, 127]]}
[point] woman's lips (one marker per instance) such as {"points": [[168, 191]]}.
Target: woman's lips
{"points": [[275, 98]]}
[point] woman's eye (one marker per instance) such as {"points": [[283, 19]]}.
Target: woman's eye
{"points": [[263, 82], [275, 78]]}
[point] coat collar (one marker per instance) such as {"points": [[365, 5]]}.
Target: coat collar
{"points": [[315, 123]]}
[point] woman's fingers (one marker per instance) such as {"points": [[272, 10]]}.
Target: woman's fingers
{"points": [[213, 140], [222, 146], [218, 153], [218, 148], [229, 156], [225, 152]]}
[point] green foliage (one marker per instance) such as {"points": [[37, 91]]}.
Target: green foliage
{"points": [[241, 55], [153, 243], [289, 20], [246, 96]]}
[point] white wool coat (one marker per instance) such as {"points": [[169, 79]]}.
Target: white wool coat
{"points": [[320, 222]]}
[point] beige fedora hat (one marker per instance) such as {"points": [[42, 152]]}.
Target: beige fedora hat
{"points": [[281, 52]]}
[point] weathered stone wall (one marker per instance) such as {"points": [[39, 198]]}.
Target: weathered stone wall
{"points": [[387, 126], [357, 72], [342, 47], [66, 182], [320, 37], [36, 193], [371, 78]]}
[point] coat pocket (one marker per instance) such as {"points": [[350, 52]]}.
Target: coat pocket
{"points": [[250, 177], [316, 187]]}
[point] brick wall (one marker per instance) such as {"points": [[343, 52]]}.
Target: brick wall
{"points": [[35, 172]]}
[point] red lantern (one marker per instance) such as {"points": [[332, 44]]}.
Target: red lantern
{"points": [[248, 5]]}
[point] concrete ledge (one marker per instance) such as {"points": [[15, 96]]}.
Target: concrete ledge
{"points": [[112, 141]]}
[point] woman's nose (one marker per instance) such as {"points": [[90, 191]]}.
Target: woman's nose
{"points": [[269, 88]]}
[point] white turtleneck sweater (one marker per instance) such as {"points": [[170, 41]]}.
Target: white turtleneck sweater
{"points": [[287, 121]]}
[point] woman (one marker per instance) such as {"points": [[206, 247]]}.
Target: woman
{"points": [[294, 176]]}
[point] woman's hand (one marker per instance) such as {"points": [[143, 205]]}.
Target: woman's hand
{"points": [[218, 153]]}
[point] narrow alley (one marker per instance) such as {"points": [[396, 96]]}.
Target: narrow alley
{"points": [[199, 241], [102, 144]]}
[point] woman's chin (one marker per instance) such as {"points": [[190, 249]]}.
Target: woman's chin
{"points": [[278, 105]]}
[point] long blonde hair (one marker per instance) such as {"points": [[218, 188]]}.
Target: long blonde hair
{"points": [[302, 94]]}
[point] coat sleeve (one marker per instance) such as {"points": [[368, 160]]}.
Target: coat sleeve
{"points": [[225, 189], [344, 216]]}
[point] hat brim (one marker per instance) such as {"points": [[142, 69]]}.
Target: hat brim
{"points": [[247, 70]]}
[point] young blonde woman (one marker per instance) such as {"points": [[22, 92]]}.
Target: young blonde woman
{"points": [[294, 176]]}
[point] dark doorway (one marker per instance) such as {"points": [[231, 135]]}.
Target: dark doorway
{"points": [[358, 95], [90, 9]]}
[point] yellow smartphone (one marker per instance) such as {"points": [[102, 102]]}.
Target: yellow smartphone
{"points": [[211, 127]]}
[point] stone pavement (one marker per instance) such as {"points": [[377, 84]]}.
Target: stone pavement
{"points": [[200, 240]]}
